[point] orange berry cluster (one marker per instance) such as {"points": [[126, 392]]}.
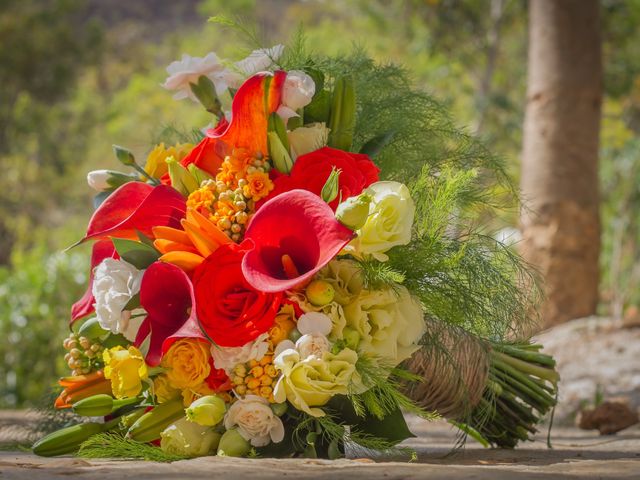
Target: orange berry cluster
{"points": [[83, 355], [229, 201], [256, 378]]}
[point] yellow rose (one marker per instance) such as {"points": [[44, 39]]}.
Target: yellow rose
{"points": [[156, 165], [126, 370], [163, 389], [390, 221], [312, 382], [191, 394], [389, 323], [187, 363]]}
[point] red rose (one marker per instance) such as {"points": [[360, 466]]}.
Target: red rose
{"points": [[311, 171], [230, 311], [218, 381]]}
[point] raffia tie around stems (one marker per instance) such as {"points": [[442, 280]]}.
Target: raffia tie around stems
{"points": [[455, 368]]}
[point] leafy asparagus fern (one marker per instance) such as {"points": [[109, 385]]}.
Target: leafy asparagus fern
{"points": [[114, 445]]}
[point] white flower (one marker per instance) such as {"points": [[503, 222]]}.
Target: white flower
{"points": [[115, 282], [189, 69], [314, 322], [255, 420], [390, 220], [297, 92], [228, 357], [98, 180], [312, 345], [307, 139], [260, 60]]}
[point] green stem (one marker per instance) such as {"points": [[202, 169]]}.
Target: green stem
{"points": [[144, 173], [541, 372], [527, 356]]}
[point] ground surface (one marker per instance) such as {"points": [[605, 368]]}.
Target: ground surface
{"points": [[591, 353]]}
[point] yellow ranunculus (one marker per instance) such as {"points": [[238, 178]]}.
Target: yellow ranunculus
{"points": [[389, 323], [284, 323], [126, 369], [163, 390], [187, 363], [312, 382], [156, 165], [390, 221]]}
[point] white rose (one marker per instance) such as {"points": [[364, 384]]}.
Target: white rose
{"points": [[260, 60], [228, 357], [187, 70], [115, 282], [312, 345], [390, 323], [389, 223], [255, 420], [98, 180], [314, 322], [307, 139], [297, 92]]}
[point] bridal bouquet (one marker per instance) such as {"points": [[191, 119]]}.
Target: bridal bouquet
{"points": [[259, 290]]}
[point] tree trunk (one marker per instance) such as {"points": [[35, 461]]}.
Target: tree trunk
{"points": [[560, 220]]}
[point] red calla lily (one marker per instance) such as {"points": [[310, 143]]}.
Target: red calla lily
{"points": [[101, 249], [166, 293], [136, 206], [294, 235], [255, 100]]}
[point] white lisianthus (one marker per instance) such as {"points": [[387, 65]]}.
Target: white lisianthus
{"points": [[227, 358], [98, 180], [314, 322], [308, 139], [312, 345], [389, 322], [115, 282], [297, 92], [255, 420], [260, 60], [188, 438], [390, 221], [187, 70]]}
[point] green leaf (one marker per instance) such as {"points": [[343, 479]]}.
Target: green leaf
{"points": [[377, 143], [138, 254], [318, 109], [146, 240], [392, 427], [101, 197], [133, 303]]}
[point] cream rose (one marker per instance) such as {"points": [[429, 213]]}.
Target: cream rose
{"points": [[297, 92], [307, 139], [115, 282], [389, 323], [310, 383], [255, 420], [188, 438], [389, 223], [227, 358]]}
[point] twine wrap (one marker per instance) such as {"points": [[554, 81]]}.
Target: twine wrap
{"points": [[455, 368]]}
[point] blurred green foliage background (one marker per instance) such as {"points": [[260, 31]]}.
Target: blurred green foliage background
{"points": [[77, 76]]}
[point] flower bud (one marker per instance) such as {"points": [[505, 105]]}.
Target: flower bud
{"points": [[207, 411], [354, 211], [205, 91], [232, 444], [320, 293], [98, 180], [187, 438], [95, 406], [124, 155], [181, 179], [351, 338], [331, 187], [279, 408], [92, 330]]}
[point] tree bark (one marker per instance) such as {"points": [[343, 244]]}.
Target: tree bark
{"points": [[560, 220]]}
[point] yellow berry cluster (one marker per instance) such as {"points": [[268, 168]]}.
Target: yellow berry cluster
{"points": [[229, 201], [256, 378], [83, 355]]}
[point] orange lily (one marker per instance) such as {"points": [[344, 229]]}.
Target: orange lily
{"points": [[81, 386], [187, 248]]}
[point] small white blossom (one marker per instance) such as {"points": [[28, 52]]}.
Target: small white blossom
{"points": [[189, 69], [297, 92], [314, 322], [255, 420], [260, 60], [115, 282], [98, 180], [228, 357]]}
